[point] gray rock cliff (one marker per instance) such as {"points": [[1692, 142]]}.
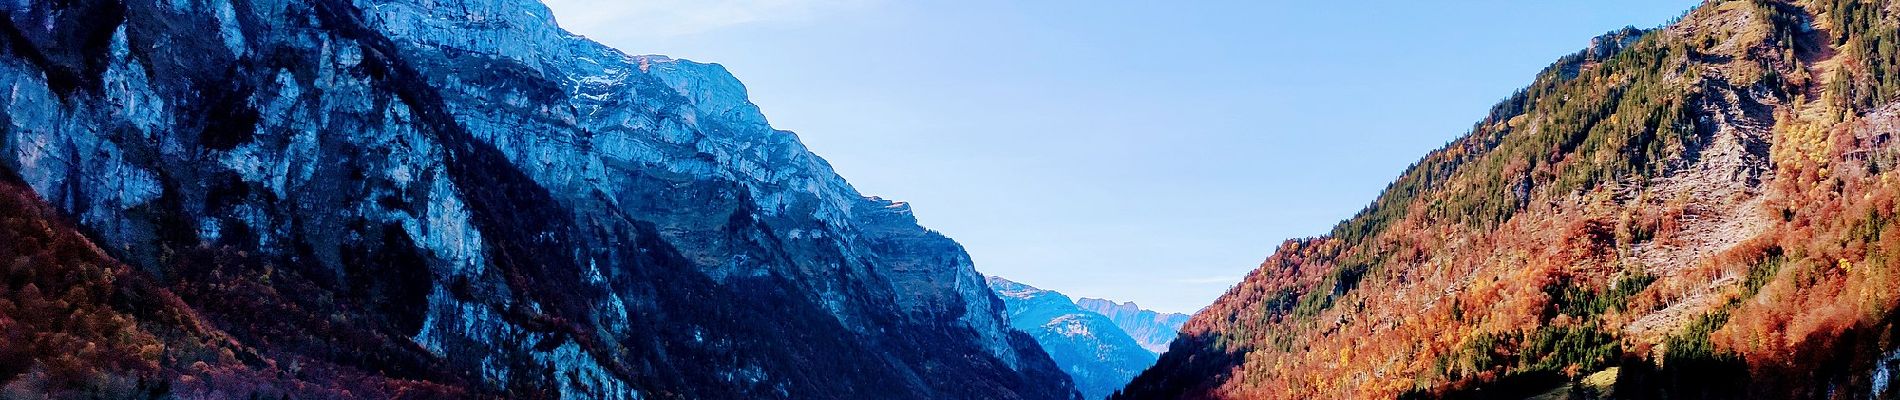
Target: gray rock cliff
{"points": [[493, 201]]}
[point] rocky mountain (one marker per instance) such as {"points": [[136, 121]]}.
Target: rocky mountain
{"points": [[1096, 353], [1704, 210], [447, 198], [1150, 328]]}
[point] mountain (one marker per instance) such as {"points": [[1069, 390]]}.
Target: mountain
{"points": [[1704, 210], [1152, 329], [1096, 353], [447, 198]]}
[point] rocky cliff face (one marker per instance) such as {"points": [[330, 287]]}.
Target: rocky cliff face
{"points": [[1096, 353], [1704, 210], [460, 192], [1154, 330]]}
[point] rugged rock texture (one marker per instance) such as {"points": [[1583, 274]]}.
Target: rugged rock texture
{"points": [[1705, 210], [459, 194], [1152, 329], [74, 323], [1089, 346]]}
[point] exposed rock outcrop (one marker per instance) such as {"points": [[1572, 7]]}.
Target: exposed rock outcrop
{"points": [[481, 199]]}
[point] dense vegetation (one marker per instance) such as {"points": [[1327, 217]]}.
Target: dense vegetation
{"points": [[1699, 211]]}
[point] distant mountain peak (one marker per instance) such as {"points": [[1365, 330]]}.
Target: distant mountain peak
{"points": [[1096, 352], [1153, 329], [1125, 304]]}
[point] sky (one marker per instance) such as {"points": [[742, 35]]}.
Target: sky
{"points": [[1139, 151]]}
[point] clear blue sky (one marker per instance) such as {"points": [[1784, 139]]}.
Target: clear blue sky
{"points": [[1133, 150]]}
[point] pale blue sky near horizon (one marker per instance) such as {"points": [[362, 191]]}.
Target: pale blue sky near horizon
{"points": [[1139, 151]]}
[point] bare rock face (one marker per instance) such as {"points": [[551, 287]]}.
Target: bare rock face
{"points": [[485, 200]]}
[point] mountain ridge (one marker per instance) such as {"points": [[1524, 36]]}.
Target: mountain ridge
{"points": [[1153, 329], [1089, 346], [1694, 211], [462, 195]]}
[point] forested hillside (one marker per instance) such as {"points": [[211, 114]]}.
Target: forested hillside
{"points": [[1704, 210]]}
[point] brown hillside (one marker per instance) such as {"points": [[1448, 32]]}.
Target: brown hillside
{"points": [[1700, 211]]}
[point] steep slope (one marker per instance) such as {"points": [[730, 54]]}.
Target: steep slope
{"points": [[461, 194], [1152, 329], [1089, 346], [74, 323], [1700, 211]]}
